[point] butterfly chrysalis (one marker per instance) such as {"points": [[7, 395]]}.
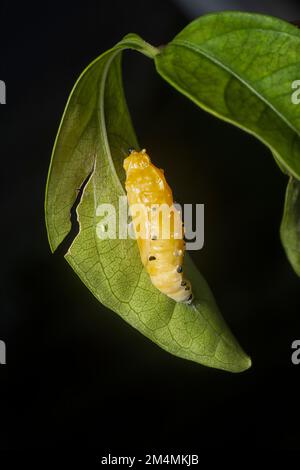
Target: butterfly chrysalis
{"points": [[162, 245]]}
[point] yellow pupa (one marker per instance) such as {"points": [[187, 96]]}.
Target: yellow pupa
{"points": [[162, 257]]}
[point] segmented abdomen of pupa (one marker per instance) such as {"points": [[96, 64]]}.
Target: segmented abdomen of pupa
{"points": [[161, 244]]}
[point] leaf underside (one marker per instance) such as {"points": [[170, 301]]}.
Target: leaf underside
{"points": [[94, 137]]}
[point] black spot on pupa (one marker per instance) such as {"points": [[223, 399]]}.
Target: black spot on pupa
{"points": [[183, 283], [190, 298], [152, 258], [187, 288], [179, 269]]}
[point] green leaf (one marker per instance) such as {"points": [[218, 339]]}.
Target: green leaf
{"points": [[93, 139], [240, 67], [290, 225]]}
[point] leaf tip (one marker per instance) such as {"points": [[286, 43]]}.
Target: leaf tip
{"points": [[245, 364]]}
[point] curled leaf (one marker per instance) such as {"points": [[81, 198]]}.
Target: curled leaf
{"points": [[93, 139]]}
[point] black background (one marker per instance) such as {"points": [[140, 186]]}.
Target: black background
{"points": [[77, 376]]}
